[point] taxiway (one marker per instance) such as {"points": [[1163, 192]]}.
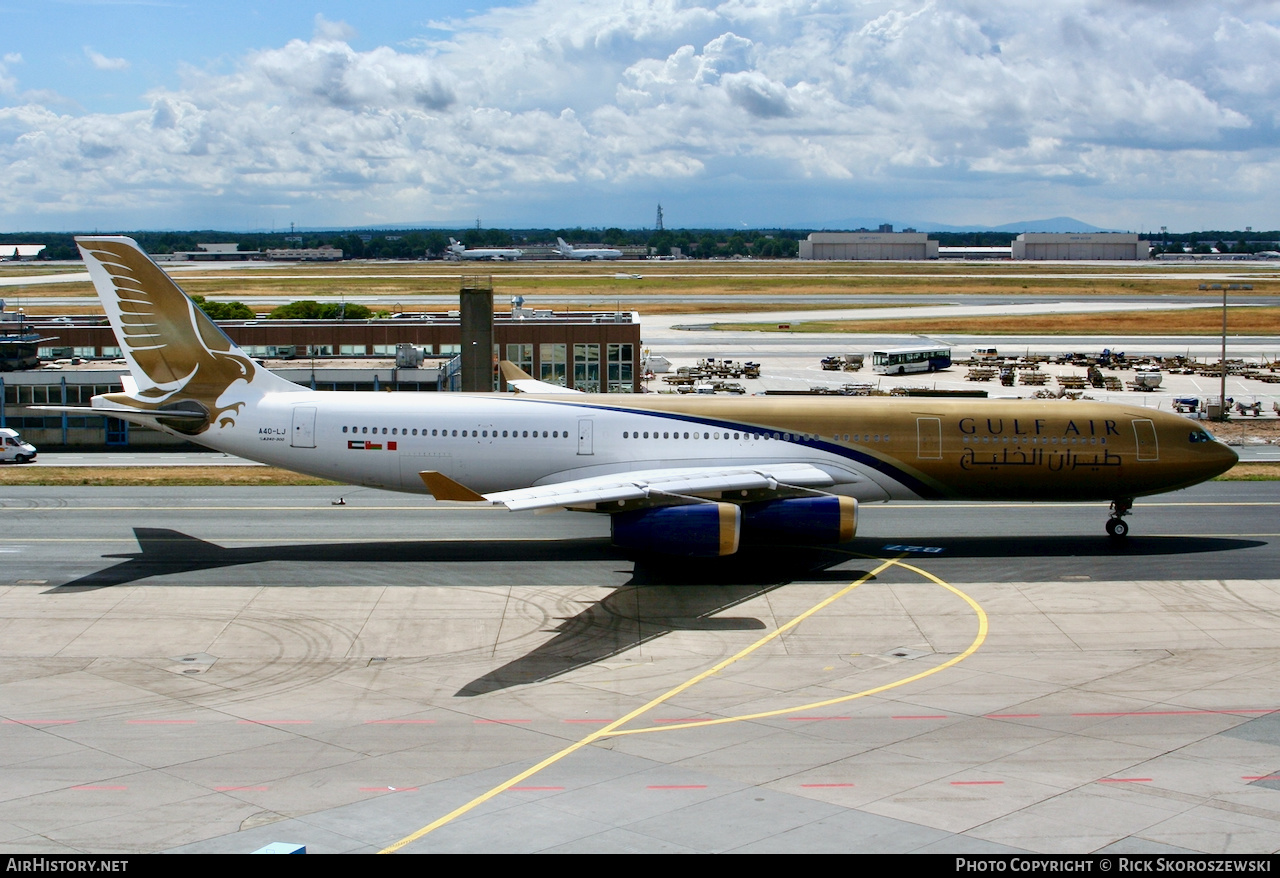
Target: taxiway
{"points": [[213, 669]]}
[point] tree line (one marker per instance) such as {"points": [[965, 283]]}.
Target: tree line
{"points": [[698, 243]]}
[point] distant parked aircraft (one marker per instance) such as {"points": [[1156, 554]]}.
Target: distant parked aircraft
{"points": [[495, 253], [569, 252]]}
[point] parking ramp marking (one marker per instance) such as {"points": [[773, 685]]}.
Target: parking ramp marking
{"points": [[639, 711]]}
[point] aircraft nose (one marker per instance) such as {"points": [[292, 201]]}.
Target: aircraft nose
{"points": [[1225, 458]]}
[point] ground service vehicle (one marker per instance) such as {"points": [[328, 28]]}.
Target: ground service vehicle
{"points": [[13, 449]]}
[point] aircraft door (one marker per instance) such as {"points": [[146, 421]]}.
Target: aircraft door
{"points": [[929, 438], [304, 427], [1144, 430], [585, 445]]}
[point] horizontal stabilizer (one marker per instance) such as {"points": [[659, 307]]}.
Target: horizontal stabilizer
{"points": [[126, 413]]}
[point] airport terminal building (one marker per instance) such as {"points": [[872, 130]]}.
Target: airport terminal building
{"points": [[596, 352]]}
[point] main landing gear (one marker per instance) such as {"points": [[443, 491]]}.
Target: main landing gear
{"points": [[1115, 524]]}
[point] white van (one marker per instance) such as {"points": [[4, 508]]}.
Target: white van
{"points": [[12, 447]]}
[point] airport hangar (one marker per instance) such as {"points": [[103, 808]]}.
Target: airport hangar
{"points": [[592, 351], [852, 246]]}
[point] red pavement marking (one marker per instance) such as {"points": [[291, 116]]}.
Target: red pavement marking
{"points": [[824, 786], [1261, 777], [1179, 712], [399, 722]]}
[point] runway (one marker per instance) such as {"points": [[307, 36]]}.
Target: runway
{"points": [[214, 669]]}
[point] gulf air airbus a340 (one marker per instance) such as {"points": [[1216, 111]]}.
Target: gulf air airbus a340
{"points": [[680, 475]]}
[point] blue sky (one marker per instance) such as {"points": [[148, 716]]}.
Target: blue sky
{"points": [[128, 114]]}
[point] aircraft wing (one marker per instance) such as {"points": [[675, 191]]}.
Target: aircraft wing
{"points": [[657, 485]]}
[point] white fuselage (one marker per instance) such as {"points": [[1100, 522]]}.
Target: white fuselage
{"points": [[498, 255], [492, 442]]}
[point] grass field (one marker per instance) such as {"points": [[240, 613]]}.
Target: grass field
{"points": [[248, 476], [698, 282]]}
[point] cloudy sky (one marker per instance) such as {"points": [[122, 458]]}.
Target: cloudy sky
{"points": [[132, 114]]}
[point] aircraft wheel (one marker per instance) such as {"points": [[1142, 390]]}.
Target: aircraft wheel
{"points": [[1117, 528]]}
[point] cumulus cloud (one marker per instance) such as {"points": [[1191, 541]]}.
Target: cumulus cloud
{"points": [[9, 82], [949, 99], [102, 62]]}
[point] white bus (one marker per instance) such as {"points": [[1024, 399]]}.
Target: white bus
{"points": [[899, 361]]}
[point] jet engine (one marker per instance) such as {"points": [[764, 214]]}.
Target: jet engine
{"points": [[810, 521], [699, 530]]}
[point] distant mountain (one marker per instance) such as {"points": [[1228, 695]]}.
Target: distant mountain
{"points": [[1058, 225]]}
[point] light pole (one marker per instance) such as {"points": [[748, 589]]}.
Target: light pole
{"points": [[1222, 391]]}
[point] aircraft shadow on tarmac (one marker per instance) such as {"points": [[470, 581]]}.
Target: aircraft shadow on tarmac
{"points": [[1048, 547], [661, 596]]}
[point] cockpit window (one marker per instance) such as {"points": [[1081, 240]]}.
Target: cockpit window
{"points": [[1201, 436]]}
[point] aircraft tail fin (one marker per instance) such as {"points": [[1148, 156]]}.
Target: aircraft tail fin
{"points": [[178, 357], [523, 382]]}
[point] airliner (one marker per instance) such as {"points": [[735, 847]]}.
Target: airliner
{"points": [[495, 253], [585, 253], [678, 475]]}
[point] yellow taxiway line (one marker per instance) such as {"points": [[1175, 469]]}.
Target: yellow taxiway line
{"points": [[613, 729]]}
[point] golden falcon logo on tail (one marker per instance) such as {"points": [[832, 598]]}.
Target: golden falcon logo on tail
{"points": [[185, 359]]}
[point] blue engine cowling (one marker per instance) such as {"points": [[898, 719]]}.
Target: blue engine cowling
{"points": [[811, 521], [700, 530]]}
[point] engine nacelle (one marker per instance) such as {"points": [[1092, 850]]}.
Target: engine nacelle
{"points": [[812, 521], [699, 530]]}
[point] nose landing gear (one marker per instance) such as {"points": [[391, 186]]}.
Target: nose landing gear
{"points": [[1116, 526]]}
